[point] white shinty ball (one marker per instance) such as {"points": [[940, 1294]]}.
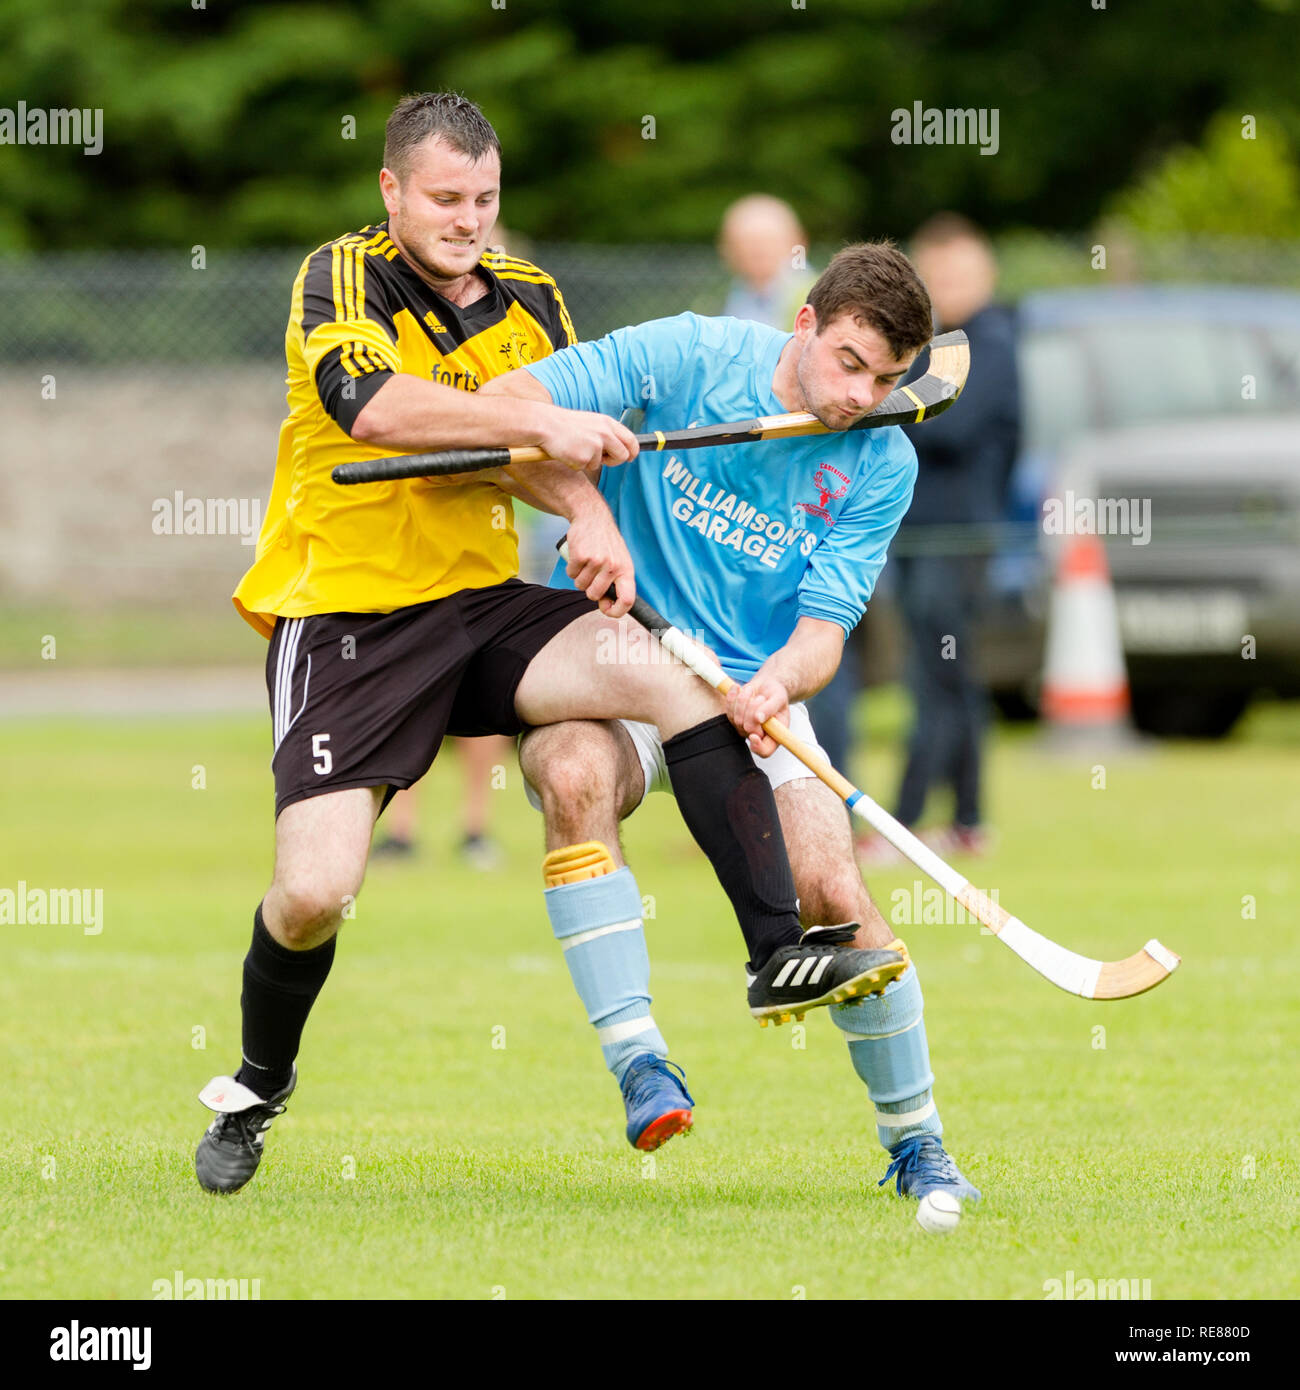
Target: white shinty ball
{"points": [[939, 1213]]}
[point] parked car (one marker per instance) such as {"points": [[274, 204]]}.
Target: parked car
{"points": [[1186, 398]]}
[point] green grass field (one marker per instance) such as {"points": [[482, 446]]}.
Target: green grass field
{"points": [[418, 1159]]}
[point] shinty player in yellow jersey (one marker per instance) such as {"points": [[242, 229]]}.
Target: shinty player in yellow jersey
{"points": [[394, 618]]}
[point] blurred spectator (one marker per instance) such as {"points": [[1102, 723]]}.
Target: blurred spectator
{"points": [[478, 757], [765, 246], [965, 459]]}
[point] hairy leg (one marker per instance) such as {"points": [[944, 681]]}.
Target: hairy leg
{"points": [[320, 858], [588, 777], [885, 1033], [819, 840], [599, 668], [321, 845]]}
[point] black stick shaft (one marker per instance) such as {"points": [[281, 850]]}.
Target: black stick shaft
{"points": [[433, 465], [648, 617]]}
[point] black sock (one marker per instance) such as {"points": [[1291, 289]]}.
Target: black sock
{"points": [[280, 986], [728, 806]]}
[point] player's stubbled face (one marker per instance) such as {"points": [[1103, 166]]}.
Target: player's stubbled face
{"points": [[846, 370], [445, 210]]}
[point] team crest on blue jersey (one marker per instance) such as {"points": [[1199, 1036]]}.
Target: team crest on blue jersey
{"points": [[828, 490]]}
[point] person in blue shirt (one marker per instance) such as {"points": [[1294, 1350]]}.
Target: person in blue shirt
{"points": [[764, 245], [767, 553]]}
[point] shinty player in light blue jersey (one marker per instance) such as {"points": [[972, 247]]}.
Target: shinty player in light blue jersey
{"points": [[768, 553]]}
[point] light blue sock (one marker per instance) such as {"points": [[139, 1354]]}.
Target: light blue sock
{"points": [[598, 922], [887, 1043]]}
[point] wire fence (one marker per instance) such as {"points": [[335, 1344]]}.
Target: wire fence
{"points": [[116, 308]]}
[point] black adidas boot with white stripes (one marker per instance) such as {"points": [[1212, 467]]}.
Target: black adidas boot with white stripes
{"points": [[231, 1147], [824, 968]]}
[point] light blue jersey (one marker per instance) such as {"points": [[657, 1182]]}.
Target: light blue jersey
{"points": [[735, 544]]}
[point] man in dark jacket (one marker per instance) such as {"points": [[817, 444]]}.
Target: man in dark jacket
{"points": [[965, 459]]}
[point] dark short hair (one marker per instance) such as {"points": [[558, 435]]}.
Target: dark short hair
{"points": [[447, 115], [879, 286]]}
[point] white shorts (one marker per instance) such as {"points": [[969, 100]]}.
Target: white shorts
{"points": [[780, 768]]}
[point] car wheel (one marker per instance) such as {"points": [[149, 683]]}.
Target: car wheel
{"points": [[1014, 706], [1169, 712]]}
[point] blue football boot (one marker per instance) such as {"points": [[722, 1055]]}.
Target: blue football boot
{"points": [[922, 1166], [658, 1103]]}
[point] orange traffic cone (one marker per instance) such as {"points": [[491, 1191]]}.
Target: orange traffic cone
{"points": [[1085, 686]]}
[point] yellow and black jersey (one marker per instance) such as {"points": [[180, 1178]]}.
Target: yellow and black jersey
{"points": [[360, 313]]}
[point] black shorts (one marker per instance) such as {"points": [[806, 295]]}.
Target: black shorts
{"points": [[365, 699]]}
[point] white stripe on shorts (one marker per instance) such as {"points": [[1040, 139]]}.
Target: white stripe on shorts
{"points": [[306, 681], [284, 679]]}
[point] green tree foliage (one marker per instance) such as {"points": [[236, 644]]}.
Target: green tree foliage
{"points": [[1241, 181], [228, 124]]}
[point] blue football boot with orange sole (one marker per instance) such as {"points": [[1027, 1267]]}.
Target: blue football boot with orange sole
{"points": [[658, 1103]]}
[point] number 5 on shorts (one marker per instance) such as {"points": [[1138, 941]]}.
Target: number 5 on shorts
{"points": [[324, 758]]}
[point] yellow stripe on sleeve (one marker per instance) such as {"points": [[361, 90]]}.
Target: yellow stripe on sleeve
{"points": [[336, 258], [539, 279], [501, 258], [565, 320], [359, 276], [364, 345], [349, 303]]}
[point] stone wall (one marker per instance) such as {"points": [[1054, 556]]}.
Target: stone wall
{"points": [[87, 475]]}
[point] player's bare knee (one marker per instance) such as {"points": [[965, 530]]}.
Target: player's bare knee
{"points": [[577, 788], [309, 911]]}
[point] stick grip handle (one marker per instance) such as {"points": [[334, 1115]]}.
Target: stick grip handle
{"points": [[424, 465]]}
